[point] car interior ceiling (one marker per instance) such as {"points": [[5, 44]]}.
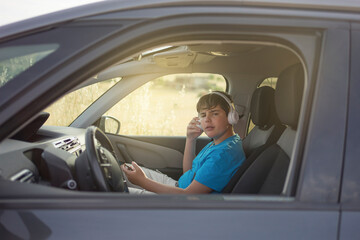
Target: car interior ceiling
{"points": [[222, 58]]}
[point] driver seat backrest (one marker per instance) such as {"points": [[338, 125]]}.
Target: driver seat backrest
{"points": [[267, 174], [266, 132]]}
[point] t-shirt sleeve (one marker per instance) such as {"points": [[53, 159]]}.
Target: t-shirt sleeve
{"points": [[217, 171]]}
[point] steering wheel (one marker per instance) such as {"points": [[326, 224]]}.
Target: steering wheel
{"points": [[105, 169]]}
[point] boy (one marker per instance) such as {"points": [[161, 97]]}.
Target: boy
{"points": [[213, 167]]}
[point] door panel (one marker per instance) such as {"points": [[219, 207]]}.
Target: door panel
{"points": [[162, 153]]}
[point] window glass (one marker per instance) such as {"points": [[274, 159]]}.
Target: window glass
{"points": [[15, 60], [164, 106], [64, 111], [271, 82]]}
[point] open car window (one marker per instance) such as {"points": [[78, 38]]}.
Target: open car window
{"points": [[164, 106]]}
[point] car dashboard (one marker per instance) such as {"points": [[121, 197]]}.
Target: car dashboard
{"points": [[46, 158]]}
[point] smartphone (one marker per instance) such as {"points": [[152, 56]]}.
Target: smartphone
{"points": [[128, 167], [199, 124]]}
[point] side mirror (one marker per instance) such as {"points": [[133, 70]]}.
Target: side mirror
{"points": [[109, 124]]}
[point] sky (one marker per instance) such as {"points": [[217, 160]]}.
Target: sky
{"points": [[16, 10]]}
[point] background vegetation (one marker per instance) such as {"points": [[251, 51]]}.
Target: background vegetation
{"points": [[64, 111], [160, 107]]}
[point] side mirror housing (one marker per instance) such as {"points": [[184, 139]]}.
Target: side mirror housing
{"points": [[109, 124]]}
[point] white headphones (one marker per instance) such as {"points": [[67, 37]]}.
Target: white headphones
{"points": [[233, 116]]}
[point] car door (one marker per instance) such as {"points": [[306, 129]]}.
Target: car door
{"points": [[308, 207], [350, 185]]}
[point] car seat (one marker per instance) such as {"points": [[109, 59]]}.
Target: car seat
{"points": [[267, 173], [268, 127], [266, 132]]}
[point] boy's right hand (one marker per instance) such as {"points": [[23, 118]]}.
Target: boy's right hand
{"points": [[193, 130], [134, 173]]}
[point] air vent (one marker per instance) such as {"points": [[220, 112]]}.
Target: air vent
{"points": [[24, 176], [71, 145]]}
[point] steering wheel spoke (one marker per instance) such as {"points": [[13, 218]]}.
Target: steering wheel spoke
{"points": [[105, 170]]}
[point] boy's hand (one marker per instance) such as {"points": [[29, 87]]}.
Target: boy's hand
{"points": [[134, 173], [193, 130]]}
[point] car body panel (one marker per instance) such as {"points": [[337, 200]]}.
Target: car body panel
{"points": [[331, 90], [337, 9], [351, 187], [156, 223], [348, 224], [350, 192]]}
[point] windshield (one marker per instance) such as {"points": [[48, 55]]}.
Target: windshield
{"points": [[15, 60], [64, 111]]}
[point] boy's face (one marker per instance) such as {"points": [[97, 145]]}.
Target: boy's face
{"points": [[214, 122]]}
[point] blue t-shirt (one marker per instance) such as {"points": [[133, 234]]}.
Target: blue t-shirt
{"points": [[215, 164]]}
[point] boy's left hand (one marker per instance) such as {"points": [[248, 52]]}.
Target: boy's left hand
{"points": [[136, 175], [193, 130]]}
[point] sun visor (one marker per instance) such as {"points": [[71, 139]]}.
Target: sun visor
{"points": [[179, 58]]}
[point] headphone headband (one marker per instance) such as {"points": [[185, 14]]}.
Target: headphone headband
{"points": [[224, 97]]}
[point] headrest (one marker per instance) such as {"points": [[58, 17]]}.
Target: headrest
{"points": [[288, 95], [262, 107]]}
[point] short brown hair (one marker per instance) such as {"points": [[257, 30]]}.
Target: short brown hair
{"points": [[211, 100]]}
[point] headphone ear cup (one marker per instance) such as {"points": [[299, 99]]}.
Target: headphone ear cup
{"points": [[233, 117]]}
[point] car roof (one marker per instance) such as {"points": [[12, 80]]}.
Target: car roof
{"points": [[88, 10]]}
